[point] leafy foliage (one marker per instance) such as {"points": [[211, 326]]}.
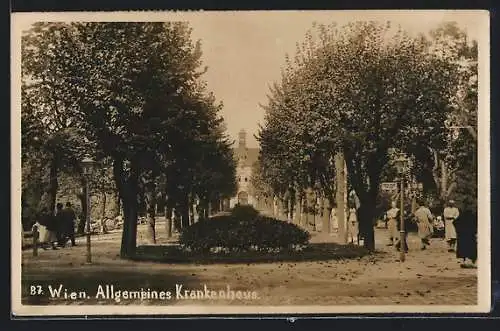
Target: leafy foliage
{"points": [[362, 89], [235, 234], [131, 96]]}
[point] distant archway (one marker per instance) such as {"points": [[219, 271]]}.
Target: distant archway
{"points": [[243, 198]]}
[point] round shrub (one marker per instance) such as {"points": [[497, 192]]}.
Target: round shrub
{"points": [[244, 212], [229, 233]]}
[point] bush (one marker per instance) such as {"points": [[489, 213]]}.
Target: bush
{"points": [[230, 233]]}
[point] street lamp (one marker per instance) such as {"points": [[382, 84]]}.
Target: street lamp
{"points": [[87, 165], [401, 164]]}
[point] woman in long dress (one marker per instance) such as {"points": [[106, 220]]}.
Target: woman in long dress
{"points": [[424, 218], [47, 229], [352, 226], [392, 222]]}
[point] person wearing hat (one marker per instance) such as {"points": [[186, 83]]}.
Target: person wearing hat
{"points": [[450, 214], [392, 223]]}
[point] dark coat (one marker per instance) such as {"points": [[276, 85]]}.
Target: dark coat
{"points": [[466, 227], [49, 221], [69, 218]]}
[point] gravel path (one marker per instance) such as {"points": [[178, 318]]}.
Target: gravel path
{"points": [[426, 277]]}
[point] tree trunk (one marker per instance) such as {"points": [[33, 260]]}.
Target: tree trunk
{"points": [[53, 186], [129, 237], [128, 190], [103, 212], [444, 181], [340, 196], [305, 212], [168, 220], [191, 212], [184, 210], [325, 227], [365, 217], [80, 227], [150, 200], [296, 208]]}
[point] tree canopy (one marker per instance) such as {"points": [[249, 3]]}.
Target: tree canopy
{"points": [[365, 89], [131, 96]]}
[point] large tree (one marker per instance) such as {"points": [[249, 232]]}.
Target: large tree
{"points": [[134, 92], [364, 89]]}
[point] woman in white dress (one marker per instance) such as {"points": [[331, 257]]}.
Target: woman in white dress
{"points": [[352, 226], [46, 229]]}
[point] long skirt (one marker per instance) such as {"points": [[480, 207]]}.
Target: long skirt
{"points": [[352, 231], [392, 228], [46, 235], [425, 230], [449, 230], [466, 226]]}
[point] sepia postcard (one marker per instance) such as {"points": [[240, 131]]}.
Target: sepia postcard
{"points": [[250, 162]]}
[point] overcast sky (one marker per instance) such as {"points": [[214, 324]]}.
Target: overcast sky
{"points": [[245, 51]]}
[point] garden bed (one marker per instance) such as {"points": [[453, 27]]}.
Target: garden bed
{"points": [[312, 252]]}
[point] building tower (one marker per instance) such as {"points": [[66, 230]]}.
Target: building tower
{"points": [[242, 138]]}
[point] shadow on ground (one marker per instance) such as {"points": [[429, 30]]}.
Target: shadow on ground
{"points": [[313, 252]]}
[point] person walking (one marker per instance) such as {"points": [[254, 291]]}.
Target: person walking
{"points": [[69, 224], [424, 218], [47, 229], [352, 227], [466, 228], [450, 214], [60, 225], [392, 222]]}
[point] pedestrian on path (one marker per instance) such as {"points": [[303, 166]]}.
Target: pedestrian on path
{"points": [[69, 224], [352, 227], [60, 225], [450, 214], [424, 218], [466, 228], [47, 229], [392, 221]]}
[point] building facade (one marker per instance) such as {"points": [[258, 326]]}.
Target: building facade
{"points": [[246, 157]]}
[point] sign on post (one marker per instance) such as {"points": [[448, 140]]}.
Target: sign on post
{"points": [[389, 187]]}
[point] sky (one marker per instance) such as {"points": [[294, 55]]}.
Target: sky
{"points": [[245, 50]]}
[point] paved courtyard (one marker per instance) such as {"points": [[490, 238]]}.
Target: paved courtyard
{"points": [[430, 277]]}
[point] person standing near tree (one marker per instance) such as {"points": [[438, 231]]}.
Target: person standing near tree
{"points": [[466, 227], [392, 223], [60, 225], [47, 230], [352, 226], [69, 223], [424, 218], [450, 214]]}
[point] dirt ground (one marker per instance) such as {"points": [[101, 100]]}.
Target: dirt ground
{"points": [[426, 277]]}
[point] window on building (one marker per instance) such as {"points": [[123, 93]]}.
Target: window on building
{"points": [[245, 179]]}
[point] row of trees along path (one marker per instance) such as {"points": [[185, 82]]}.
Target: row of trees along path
{"points": [[130, 95], [355, 96]]}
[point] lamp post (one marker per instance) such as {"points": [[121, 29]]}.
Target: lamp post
{"points": [[401, 163], [87, 164]]}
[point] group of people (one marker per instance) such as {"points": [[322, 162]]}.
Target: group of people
{"points": [[55, 230], [460, 230]]}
